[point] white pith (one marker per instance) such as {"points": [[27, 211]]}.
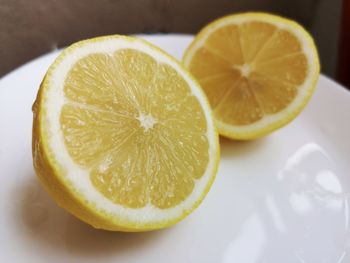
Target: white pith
{"points": [[147, 121], [77, 177]]}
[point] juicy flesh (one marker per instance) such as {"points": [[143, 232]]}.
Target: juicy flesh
{"points": [[249, 71], [135, 125]]}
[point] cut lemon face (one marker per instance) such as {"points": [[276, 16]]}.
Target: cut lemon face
{"points": [[123, 136], [257, 70]]}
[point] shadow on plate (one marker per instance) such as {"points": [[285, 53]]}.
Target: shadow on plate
{"points": [[232, 148], [50, 225]]}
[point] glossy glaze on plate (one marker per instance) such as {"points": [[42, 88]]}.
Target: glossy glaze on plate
{"points": [[284, 198]]}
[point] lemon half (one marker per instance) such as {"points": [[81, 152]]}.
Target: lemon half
{"points": [[258, 71], [123, 137]]}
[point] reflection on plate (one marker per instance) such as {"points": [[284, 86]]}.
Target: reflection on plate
{"points": [[283, 198]]}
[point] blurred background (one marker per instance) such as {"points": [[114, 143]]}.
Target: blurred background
{"points": [[30, 28]]}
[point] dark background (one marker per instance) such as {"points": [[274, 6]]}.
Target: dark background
{"points": [[29, 28]]}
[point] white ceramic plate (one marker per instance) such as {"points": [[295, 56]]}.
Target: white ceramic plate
{"points": [[284, 198]]}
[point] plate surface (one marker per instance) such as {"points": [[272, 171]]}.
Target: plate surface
{"points": [[284, 198]]}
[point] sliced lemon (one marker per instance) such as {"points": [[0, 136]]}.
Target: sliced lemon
{"points": [[258, 71], [123, 136]]}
